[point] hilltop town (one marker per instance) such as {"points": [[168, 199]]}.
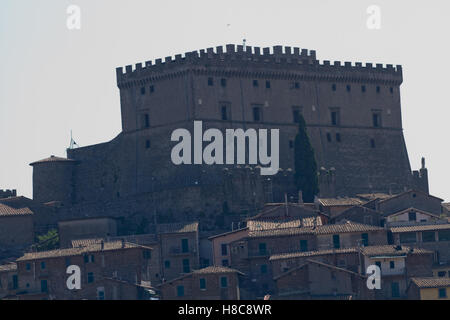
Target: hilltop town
{"points": [[141, 227]]}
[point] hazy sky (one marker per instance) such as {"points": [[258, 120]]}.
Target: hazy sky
{"points": [[53, 80]]}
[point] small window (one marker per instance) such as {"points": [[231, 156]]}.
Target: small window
{"points": [[90, 277], [338, 137], [328, 137], [15, 281], [224, 282], [297, 85], [44, 286], [28, 267], [202, 284], [303, 245], [263, 268], [146, 120], [223, 82], [376, 119], [333, 87], [147, 144], [378, 89], [335, 116], [391, 89], [225, 263], [101, 293], [142, 90], [412, 216], [428, 236], [349, 88], [363, 88], [255, 83], [180, 291], [408, 237], [372, 143], [152, 89], [262, 249], [186, 266], [210, 82], [257, 114], [225, 112], [395, 290], [391, 264], [296, 114], [291, 144], [378, 264], [442, 293], [43, 266], [224, 248], [336, 241], [167, 264], [365, 239], [442, 274], [184, 245], [267, 84]]}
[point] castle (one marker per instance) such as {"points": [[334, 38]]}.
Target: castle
{"points": [[352, 111]]}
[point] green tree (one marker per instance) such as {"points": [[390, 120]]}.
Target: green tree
{"points": [[48, 241], [305, 176]]}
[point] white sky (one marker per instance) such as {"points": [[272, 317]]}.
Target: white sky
{"points": [[53, 80]]}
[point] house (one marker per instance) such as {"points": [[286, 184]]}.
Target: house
{"points": [[360, 214], [429, 289], [411, 199], [434, 237], [221, 245], [211, 283], [347, 258], [397, 265], [318, 280], [333, 206], [289, 211], [8, 280], [411, 216], [43, 275], [16, 227]]}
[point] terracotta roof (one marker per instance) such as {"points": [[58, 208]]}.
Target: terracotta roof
{"points": [[108, 246], [228, 233], [346, 227], [331, 202], [425, 227], [409, 191], [373, 196], [216, 269], [291, 255], [177, 227], [391, 251], [431, 282], [52, 159], [10, 211], [258, 225], [142, 239], [8, 267]]}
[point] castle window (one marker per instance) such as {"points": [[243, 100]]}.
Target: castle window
{"points": [[335, 116], [378, 89], [147, 144], [333, 87], [349, 88], [291, 144], [257, 114], [152, 89], [146, 120], [223, 82], [328, 137], [391, 89], [255, 83], [363, 88], [297, 85], [210, 82], [267, 84], [142, 90], [296, 113], [225, 111], [338, 137], [372, 143], [376, 119]]}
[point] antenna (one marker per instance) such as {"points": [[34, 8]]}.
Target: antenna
{"points": [[73, 144]]}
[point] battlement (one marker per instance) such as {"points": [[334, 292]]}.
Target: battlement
{"points": [[8, 194], [277, 58]]}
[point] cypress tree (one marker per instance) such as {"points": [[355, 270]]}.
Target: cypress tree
{"points": [[305, 176]]}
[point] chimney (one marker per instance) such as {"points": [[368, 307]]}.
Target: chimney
{"points": [[102, 245]]}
